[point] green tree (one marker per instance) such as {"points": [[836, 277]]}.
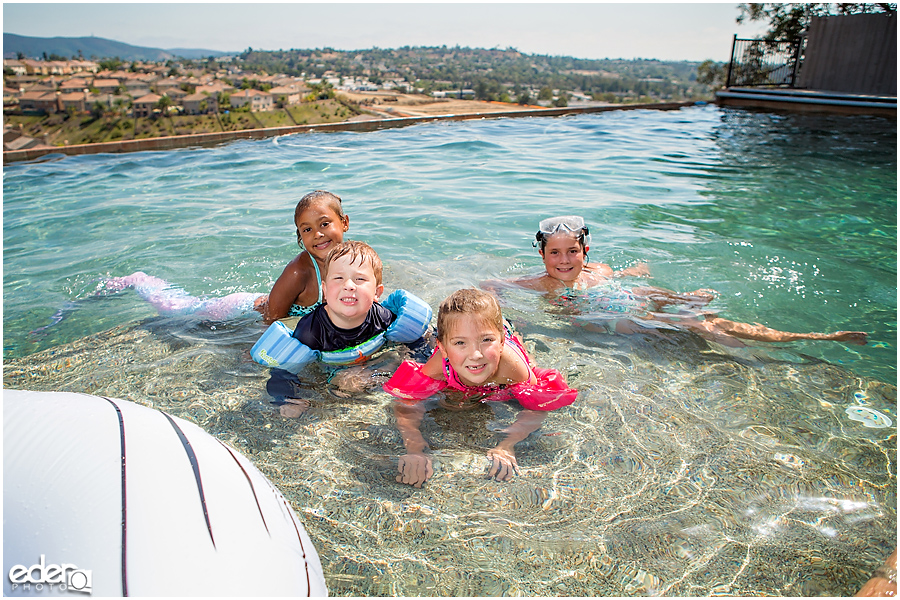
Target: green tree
{"points": [[110, 64], [788, 21], [163, 105], [121, 105], [711, 73], [481, 90], [97, 109]]}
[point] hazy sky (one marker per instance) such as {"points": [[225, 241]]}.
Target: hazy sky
{"points": [[667, 31]]}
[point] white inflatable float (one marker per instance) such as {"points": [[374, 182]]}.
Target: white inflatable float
{"points": [[110, 498]]}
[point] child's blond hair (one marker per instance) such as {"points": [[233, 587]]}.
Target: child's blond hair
{"points": [[357, 251], [470, 301]]}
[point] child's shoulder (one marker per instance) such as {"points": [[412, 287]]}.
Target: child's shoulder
{"points": [[514, 366], [302, 261], [601, 269], [300, 270]]}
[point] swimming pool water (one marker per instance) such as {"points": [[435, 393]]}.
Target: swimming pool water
{"points": [[683, 468], [792, 218]]}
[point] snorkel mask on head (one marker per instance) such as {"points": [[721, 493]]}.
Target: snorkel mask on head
{"points": [[572, 223]]}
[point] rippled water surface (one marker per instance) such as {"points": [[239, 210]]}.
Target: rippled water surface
{"points": [[684, 468]]}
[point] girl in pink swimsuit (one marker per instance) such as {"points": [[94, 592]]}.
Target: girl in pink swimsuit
{"points": [[478, 355]]}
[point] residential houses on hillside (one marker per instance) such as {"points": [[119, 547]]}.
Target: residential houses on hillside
{"points": [[49, 67], [256, 99], [57, 86], [51, 87]]}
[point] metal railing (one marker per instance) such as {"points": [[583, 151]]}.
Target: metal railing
{"points": [[765, 63]]}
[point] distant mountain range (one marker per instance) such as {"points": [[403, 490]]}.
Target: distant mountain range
{"points": [[94, 48]]}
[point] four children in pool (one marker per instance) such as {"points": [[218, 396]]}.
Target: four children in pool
{"points": [[336, 286]]}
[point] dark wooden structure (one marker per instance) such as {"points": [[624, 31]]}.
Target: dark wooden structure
{"points": [[845, 64], [856, 54]]}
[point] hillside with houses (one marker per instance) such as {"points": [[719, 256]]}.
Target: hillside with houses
{"points": [[40, 98], [63, 102]]}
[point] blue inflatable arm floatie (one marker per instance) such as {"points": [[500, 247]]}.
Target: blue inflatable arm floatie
{"points": [[413, 317], [279, 349]]}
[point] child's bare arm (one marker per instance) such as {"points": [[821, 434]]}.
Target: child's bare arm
{"points": [[409, 418], [512, 369], [539, 283], [291, 284], [503, 457], [495, 285], [434, 367], [415, 466]]}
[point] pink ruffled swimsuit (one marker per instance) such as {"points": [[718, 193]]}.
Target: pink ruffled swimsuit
{"points": [[410, 385]]}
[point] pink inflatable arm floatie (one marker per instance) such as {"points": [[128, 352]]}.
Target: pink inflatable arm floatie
{"points": [[408, 383], [549, 393]]}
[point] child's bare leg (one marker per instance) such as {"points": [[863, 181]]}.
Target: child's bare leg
{"points": [[293, 407], [663, 297], [702, 327], [762, 333]]}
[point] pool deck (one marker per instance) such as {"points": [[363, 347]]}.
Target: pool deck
{"points": [[207, 139], [808, 101]]}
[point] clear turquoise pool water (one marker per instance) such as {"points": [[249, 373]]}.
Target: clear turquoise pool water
{"points": [[684, 469], [791, 218]]}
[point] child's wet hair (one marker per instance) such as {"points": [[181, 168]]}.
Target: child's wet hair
{"points": [[358, 251], [469, 301], [333, 201]]}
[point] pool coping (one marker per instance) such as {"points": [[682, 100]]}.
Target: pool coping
{"points": [[209, 139], [802, 100]]}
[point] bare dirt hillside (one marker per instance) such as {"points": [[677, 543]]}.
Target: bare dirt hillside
{"points": [[388, 104]]}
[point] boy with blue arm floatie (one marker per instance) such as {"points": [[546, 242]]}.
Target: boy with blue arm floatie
{"points": [[348, 328]]}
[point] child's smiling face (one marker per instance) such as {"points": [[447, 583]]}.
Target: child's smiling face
{"points": [[321, 228], [473, 348], [350, 288], [563, 257]]}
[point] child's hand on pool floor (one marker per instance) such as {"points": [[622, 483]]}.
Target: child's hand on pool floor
{"points": [[503, 464], [293, 407], [415, 469]]}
